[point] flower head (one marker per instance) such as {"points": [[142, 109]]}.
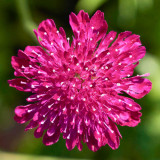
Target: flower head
{"points": [[78, 88]]}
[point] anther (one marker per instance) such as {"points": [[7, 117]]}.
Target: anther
{"points": [[111, 38], [118, 84]]}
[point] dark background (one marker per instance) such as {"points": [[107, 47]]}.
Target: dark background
{"points": [[18, 18]]}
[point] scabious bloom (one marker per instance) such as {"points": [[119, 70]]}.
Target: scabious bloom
{"points": [[79, 88]]}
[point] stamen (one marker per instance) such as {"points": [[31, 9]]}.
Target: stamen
{"points": [[50, 105], [35, 53], [118, 84], [30, 110], [47, 86], [111, 38], [108, 127], [68, 137], [23, 82], [106, 67], [43, 122], [86, 68]]}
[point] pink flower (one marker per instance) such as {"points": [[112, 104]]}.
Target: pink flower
{"points": [[78, 89]]}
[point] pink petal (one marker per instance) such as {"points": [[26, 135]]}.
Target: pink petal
{"points": [[20, 84], [49, 140]]}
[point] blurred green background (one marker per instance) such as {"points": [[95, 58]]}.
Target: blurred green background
{"points": [[18, 18]]}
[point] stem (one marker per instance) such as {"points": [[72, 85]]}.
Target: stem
{"points": [[25, 17]]}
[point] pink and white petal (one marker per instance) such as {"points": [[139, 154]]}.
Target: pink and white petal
{"points": [[22, 66], [20, 84], [49, 37], [73, 20], [32, 124], [24, 113], [126, 118], [72, 139], [120, 103], [123, 111], [95, 30], [88, 30], [43, 125], [19, 63], [79, 146], [51, 130], [49, 140], [112, 135], [104, 44], [37, 54], [138, 87], [121, 37], [92, 143], [83, 19], [98, 25]]}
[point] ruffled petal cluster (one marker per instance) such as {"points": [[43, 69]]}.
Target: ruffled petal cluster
{"points": [[79, 88]]}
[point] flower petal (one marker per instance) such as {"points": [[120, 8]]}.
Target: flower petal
{"points": [[50, 38], [24, 113], [138, 87], [49, 140], [20, 84]]}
